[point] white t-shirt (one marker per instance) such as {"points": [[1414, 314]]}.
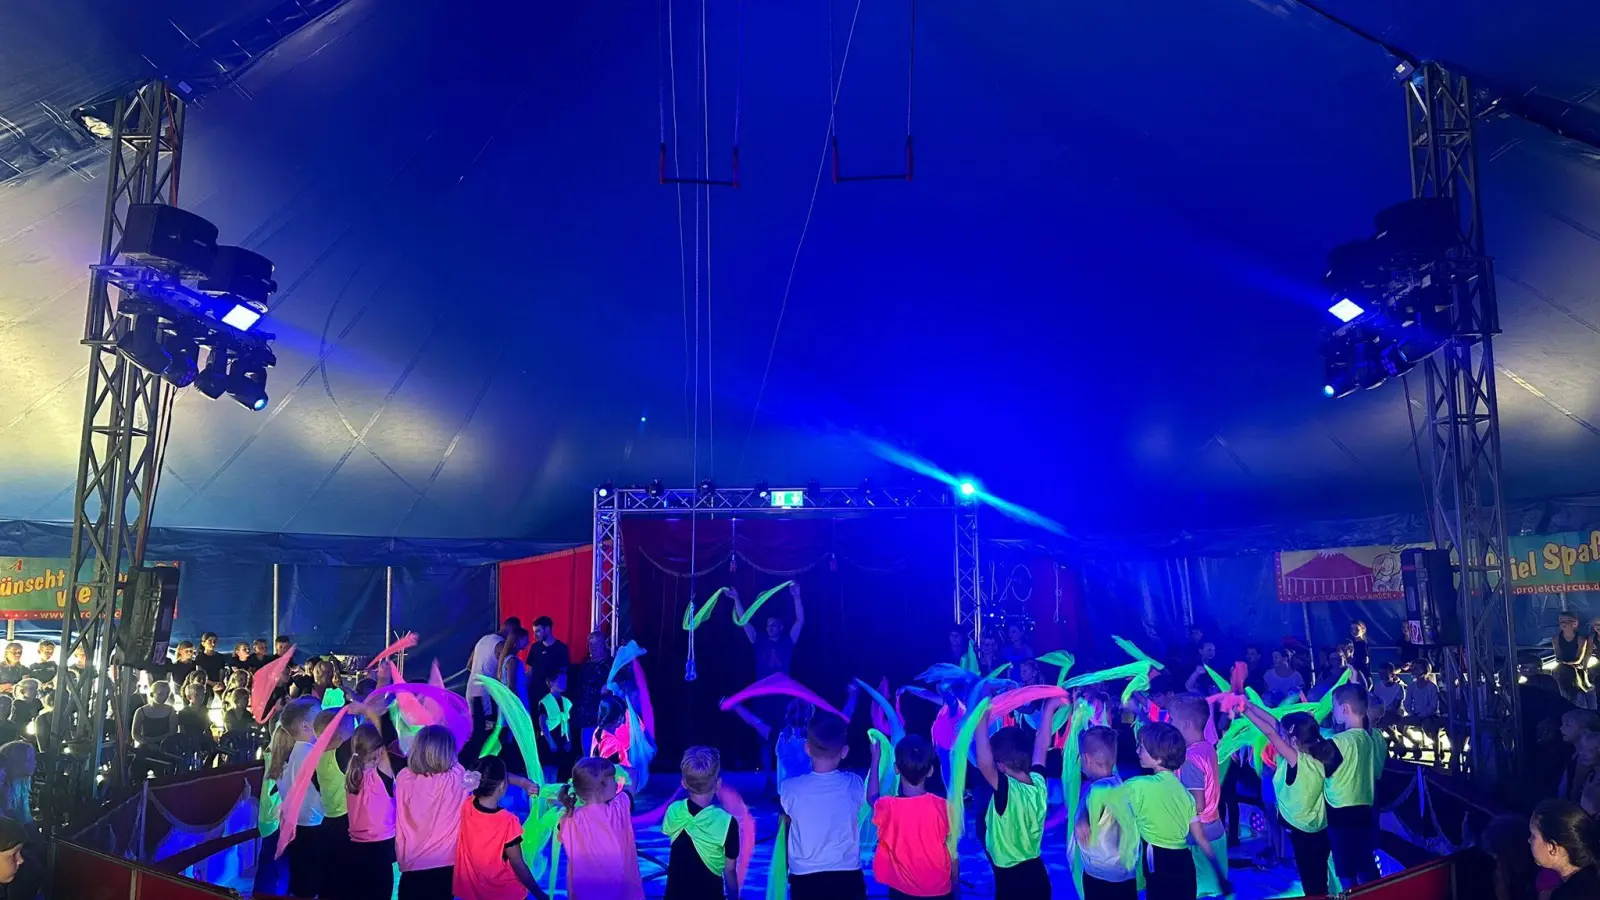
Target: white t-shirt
{"points": [[1391, 697], [824, 810], [1102, 858], [310, 808], [482, 663], [1422, 699]]}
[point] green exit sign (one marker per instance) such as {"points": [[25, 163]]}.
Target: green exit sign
{"points": [[788, 499]]}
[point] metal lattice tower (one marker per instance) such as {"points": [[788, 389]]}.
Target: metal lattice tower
{"points": [[1463, 426], [118, 462], [619, 502]]}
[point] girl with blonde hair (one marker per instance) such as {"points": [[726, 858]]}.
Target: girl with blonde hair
{"points": [[428, 795]]}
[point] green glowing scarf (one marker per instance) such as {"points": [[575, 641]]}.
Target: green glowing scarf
{"points": [[761, 601], [959, 753], [703, 613]]}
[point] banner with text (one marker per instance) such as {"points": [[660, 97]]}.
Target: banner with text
{"points": [[1555, 563], [36, 588], [1341, 573]]}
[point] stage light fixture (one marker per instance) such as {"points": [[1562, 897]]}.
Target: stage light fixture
{"points": [[967, 488], [707, 488], [141, 344], [247, 379], [241, 317], [655, 489], [213, 379], [1346, 309], [184, 350], [603, 491], [762, 491]]}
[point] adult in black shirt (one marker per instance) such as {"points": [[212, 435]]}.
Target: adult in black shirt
{"points": [[1566, 841], [775, 646], [12, 671], [546, 657], [1358, 650], [210, 661], [178, 670], [259, 655], [46, 668]]}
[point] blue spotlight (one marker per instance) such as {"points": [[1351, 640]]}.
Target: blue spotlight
{"points": [[641, 420], [967, 488], [1327, 390]]}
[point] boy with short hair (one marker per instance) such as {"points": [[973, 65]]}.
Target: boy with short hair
{"points": [[822, 810], [1352, 781], [555, 726], [1014, 768], [913, 858], [705, 838], [1390, 694], [1163, 810], [1097, 839], [1200, 775]]}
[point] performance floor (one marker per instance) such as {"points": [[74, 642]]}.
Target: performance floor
{"points": [[976, 881]]}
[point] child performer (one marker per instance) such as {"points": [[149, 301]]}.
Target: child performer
{"points": [[330, 784], [613, 734], [369, 785], [427, 797], [1097, 841], [913, 828], [489, 861], [1298, 784], [1199, 774], [1015, 814], [291, 744], [597, 833], [823, 808], [272, 873], [1352, 782], [1162, 811], [705, 838], [555, 726]]}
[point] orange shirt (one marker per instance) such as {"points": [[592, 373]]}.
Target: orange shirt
{"points": [[482, 872], [912, 857]]}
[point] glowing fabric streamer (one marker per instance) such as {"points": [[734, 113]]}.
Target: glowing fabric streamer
{"points": [[778, 872], [945, 673], [983, 683], [729, 799], [969, 660], [1072, 787], [1128, 648], [265, 682], [1060, 658], [333, 698], [1236, 679], [891, 721], [958, 773], [750, 611], [452, 708], [888, 775], [406, 642], [703, 613], [434, 678], [1117, 673], [781, 685], [289, 812], [540, 827], [626, 654], [647, 713], [1017, 698]]}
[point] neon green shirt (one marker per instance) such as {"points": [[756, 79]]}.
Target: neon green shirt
{"points": [[1300, 804], [271, 804], [708, 829], [1162, 809], [330, 783], [1355, 781], [557, 715], [1015, 819]]}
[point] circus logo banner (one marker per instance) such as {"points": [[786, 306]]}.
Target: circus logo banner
{"points": [[1341, 573], [1555, 563], [36, 588]]}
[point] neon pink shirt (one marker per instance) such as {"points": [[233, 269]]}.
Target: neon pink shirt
{"points": [[911, 856], [1203, 757], [428, 818], [602, 859], [372, 809], [482, 872]]}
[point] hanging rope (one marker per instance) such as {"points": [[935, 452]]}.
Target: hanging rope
{"points": [[704, 177]]}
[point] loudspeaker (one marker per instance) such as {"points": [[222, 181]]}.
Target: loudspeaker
{"points": [[1432, 614], [149, 600], [167, 237], [237, 271]]}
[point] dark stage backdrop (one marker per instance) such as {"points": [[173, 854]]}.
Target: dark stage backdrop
{"points": [[879, 600]]}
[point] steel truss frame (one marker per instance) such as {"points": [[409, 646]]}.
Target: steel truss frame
{"points": [[1463, 427], [612, 504], [124, 420]]}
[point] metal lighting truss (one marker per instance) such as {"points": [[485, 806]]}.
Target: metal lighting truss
{"points": [[118, 463], [1463, 426], [612, 504]]}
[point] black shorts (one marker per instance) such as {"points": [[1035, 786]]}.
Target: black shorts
{"points": [[1095, 889], [842, 885], [1024, 881]]}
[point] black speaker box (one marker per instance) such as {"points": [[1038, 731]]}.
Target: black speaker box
{"points": [[149, 600], [169, 238], [1432, 612]]}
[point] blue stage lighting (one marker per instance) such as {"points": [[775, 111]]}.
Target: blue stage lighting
{"points": [[1327, 390], [1346, 309], [967, 488], [641, 420], [241, 317]]}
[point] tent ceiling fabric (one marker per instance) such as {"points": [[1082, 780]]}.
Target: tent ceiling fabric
{"points": [[1099, 294]]}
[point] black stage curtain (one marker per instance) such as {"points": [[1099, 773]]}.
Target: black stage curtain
{"points": [[878, 592]]}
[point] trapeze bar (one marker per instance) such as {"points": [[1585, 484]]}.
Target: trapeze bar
{"points": [[890, 176], [731, 182]]}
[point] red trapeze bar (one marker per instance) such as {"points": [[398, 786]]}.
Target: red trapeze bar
{"points": [[732, 182], [892, 176]]}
